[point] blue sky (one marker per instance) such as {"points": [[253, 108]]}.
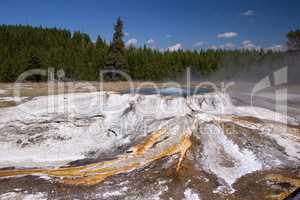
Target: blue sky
{"points": [[182, 24]]}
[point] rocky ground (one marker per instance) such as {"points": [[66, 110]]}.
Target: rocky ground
{"points": [[106, 145]]}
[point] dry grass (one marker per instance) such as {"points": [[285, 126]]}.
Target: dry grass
{"points": [[31, 89], [4, 104], [42, 89]]}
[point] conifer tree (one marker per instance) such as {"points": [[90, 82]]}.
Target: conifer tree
{"points": [[116, 54], [26, 47], [99, 42], [294, 40], [34, 63]]}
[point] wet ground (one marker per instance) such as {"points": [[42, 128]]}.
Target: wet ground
{"points": [[158, 181], [254, 154]]}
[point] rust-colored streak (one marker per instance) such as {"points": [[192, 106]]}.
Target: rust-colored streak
{"points": [[185, 145], [256, 123], [147, 143], [91, 174], [277, 178], [95, 178]]}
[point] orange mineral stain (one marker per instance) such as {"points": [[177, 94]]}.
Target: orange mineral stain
{"points": [[141, 155]]}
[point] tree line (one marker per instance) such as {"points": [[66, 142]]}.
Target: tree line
{"points": [[23, 47]]}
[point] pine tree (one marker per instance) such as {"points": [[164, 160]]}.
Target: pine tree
{"points": [[99, 42], [294, 40], [34, 62], [116, 54], [26, 47]]}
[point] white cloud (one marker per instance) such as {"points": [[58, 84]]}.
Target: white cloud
{"points": [[199, 44], [248, 13], [245, 42], [227, 46], [277, 47], [213, 47], [150, 41], [246, 45], [249, 45], [168, 36], [227, 35], [131, 42], [126, 33], [175, 47]]}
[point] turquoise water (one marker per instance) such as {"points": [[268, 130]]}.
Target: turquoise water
{"points": [[170, 91]]}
